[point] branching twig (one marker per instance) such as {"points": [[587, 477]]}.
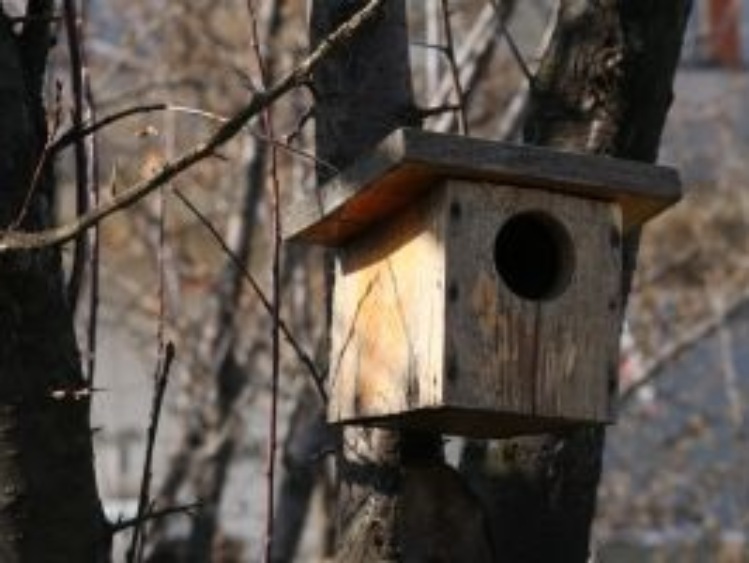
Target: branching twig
{"points": [[95, 251], [517, 55], [73, 134], [300, 353], [270, 471], [294, 151], [512, 117], [77, 70], [160, 382], [10, 241], [655, 366], [124, 525], [44, 158], [272, 141], [307, 116], [472, 59], [449, 50]]}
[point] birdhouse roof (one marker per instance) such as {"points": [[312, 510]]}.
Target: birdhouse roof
{"points": [[410, 161]]}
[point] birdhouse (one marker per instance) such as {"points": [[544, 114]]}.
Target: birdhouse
{"points": [[477, 284]]}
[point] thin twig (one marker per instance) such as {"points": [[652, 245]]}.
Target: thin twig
{"points": [[502, 19], [302, 356], [10, 241], [306, 116], [270, 470], [274, 142], [73, 134], [44, 159], [75, 52], [162, 348], [449, 50], [654, 368], [294, 151], [124, 525], [95, 247], [473, 58], [160, 382], [512, 118]]}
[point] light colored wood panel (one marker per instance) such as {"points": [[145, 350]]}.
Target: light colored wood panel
{"points": [[387, 339]]}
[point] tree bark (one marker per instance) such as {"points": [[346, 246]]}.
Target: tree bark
{"points": [[306, 441], [49, 505], [363, 93], [604, 86], [398, 500]]}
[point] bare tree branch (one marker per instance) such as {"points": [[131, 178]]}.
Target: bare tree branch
{"points": [[471, 58], [270, 469], [160, 382], [301, 354], [71, 135], [449, 50], [654, 368], [151, 515], [73, 30], [15, 240]]}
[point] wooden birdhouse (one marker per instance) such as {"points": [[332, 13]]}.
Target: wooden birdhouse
{"points": [[477, 284]]}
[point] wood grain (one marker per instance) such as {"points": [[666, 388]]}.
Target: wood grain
{"points": [[546, 357], [388, 318]]}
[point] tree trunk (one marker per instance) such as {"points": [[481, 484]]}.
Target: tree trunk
{"points": [[363, 92], [604, 86], [398, 500], [49, 506], [306, 441]]}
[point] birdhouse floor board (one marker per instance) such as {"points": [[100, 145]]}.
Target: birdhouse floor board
{"points": [[409, 161], [471, 423]]}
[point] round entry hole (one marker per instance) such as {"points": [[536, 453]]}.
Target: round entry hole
{"points": [[533, 255]]}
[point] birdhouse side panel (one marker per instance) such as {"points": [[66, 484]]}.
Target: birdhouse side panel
{"points": [[387, 333]]}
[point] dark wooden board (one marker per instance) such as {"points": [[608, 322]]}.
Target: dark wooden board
{"points": [[410, 161]]}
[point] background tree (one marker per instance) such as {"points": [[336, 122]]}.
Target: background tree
{"points": [[49, 507]]}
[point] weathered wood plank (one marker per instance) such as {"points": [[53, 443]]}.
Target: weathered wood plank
{"points": [[388, 318], [410, 161], [548, 356]]}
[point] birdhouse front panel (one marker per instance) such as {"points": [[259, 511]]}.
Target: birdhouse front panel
{"points": [[533, 302]]}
